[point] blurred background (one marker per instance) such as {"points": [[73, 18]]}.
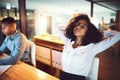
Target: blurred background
{"points": [[43, 16]]}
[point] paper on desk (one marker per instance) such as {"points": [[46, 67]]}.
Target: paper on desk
{"points": [[3, 68]]}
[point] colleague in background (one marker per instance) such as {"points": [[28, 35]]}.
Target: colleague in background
{"points": [[83, 42], [15, 44]]}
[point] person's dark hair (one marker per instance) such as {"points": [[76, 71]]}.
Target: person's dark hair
{"points": [[8, 20], [93, 35]]}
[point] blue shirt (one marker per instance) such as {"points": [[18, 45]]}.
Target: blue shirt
{"points": [[17, 47]]}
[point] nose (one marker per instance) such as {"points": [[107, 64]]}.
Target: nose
{"points": [[2, 29], [78, 27]]}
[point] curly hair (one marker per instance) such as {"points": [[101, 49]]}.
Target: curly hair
{"points": [[93, 35]]}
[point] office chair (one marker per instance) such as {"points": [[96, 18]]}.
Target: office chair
{"points": [[32, 53], [93, 75]]}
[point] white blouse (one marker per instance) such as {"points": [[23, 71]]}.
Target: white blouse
{"points": [[79, 60]]}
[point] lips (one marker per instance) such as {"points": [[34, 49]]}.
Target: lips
{"points": [[76, 31]]}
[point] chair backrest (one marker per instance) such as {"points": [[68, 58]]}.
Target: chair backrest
{"points": [[32, 53], [93, 75]]}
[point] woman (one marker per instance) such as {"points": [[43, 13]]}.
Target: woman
{"points": [[83, 42]]}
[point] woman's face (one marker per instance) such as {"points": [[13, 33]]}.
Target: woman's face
{"points": [[80, 28]]}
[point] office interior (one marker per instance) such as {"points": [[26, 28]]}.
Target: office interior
{"points": [[38, 20]]}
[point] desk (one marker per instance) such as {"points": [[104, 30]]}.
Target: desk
{"points": [[22, 71], [49, 50]]}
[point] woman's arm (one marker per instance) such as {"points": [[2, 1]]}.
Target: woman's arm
{"points": [[107, 33], [61, 33], [111, 37]]}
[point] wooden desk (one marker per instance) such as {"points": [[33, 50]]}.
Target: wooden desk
{"points": [[22, 71]]}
